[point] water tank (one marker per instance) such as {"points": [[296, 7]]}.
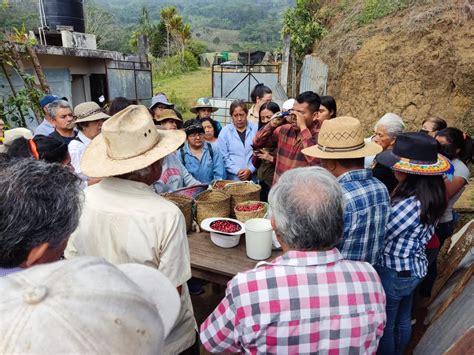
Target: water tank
{"points": [[64, 13]]}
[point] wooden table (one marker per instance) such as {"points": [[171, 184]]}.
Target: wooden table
{"points": [[215, 264]]}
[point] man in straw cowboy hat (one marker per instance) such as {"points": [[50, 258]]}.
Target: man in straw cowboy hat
{"points": [[89, 118], [124, 220], [342, 149]]}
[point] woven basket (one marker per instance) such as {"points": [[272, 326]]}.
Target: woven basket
{"points": [[212, 203], [243, 216], [241, 192], [220, 184], [185, 204]]}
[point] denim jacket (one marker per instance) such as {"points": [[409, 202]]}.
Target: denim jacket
{"points": [[210, 167], [236, 155]]}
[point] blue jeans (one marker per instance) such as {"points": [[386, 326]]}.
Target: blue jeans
{"points": [[399, 292]]}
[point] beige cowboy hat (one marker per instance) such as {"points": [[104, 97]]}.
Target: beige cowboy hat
{"points": [[342, 138], [129, 141], [167, 114], [89, 111], [203, 102]]}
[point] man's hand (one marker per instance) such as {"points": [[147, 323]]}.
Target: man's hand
{"points": [[244, 174], [300, 120]]}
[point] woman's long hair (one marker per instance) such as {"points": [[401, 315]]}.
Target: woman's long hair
{"points": [[459, 145], [429, 190], [271, 106]]}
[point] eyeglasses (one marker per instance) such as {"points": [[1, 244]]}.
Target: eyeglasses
{"points": [[196, 135]]}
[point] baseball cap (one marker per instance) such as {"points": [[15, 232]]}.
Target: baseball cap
{"points": [[193, 126], [50, 98], [288, 104], [86, 305]]}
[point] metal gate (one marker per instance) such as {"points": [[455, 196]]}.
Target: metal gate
{"points": [[132, 80], [236, 81]]}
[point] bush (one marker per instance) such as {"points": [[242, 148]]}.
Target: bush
{"points": [[175, 65], [196, 48]]}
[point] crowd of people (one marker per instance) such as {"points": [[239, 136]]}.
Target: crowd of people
{"points": [[360, 222]]}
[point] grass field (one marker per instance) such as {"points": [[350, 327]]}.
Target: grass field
{"points": [[183, 89]]}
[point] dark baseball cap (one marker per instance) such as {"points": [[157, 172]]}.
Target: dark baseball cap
{"points": [[50, 98]]}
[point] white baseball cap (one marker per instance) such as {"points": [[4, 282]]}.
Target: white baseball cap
{"points": [[288, 104], [86, 305]]}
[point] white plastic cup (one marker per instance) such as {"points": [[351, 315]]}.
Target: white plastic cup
{"points": [[258, 238]]}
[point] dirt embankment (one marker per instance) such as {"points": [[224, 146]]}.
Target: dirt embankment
{"points": [[416, 63]]}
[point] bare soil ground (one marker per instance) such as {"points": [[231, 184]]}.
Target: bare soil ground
{"points": [[417, 63]]}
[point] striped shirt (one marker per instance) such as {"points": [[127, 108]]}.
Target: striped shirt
{"points": [[406, 238], [290, 142], [366, 213], [300, 303]]}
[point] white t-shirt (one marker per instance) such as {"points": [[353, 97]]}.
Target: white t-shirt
{"points": [[127, 222], [76, 149], [460, 170]]}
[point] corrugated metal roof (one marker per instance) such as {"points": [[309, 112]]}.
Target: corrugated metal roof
{"points": [[314, 75]]}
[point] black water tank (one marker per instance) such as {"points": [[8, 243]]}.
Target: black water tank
{"points": [[64, 13]]}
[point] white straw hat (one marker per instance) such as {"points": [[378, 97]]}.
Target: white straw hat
{"points": [[129, 141], [342, 138], [86, 305]]}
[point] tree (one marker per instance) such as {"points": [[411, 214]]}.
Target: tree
{"points": [[216, 40], [100, 23], [166, 15], [184, 33], [158, 40], [303, 29]]}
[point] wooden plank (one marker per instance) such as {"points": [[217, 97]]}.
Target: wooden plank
{"points": [[456, 292], [450, 326], [216, 264], [464, 345], [463, 242]]}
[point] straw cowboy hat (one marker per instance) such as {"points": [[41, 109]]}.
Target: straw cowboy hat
{"points": [[89, 111], [167, 114], [415, 153], [203, 102], [129, 141], [342, 138]]}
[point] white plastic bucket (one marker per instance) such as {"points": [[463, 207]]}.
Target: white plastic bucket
{"points": [[258, 238]]}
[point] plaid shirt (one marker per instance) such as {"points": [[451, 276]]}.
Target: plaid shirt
{"points": [[300, 303], [367, 211], [290, 142], [406, 238]]}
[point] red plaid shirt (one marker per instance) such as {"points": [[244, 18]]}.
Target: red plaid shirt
{"points": [[300, 303], [290, 142]]}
